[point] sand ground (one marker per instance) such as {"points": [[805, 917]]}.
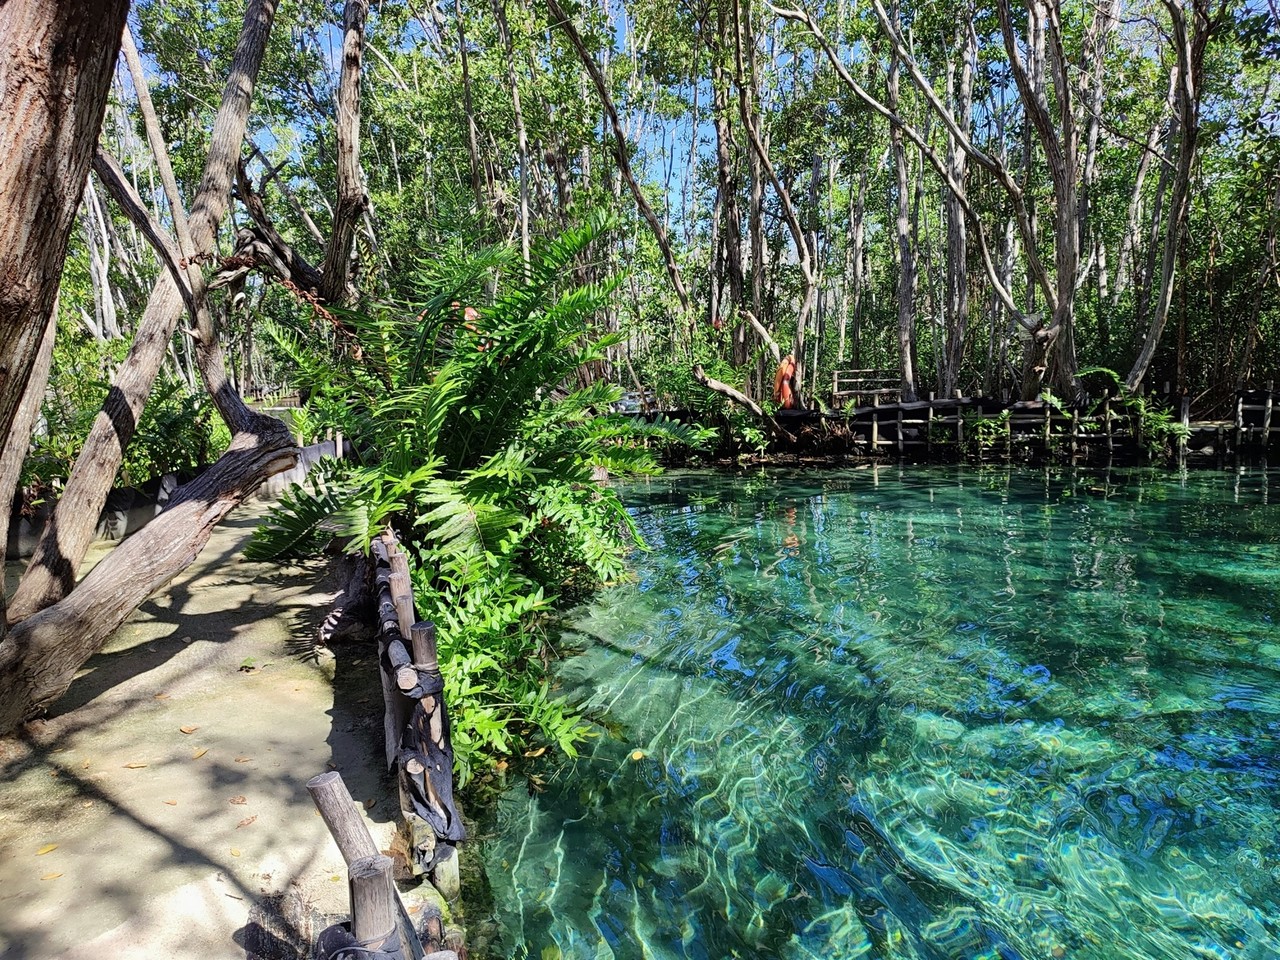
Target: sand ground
{"points": [[161, 810]]}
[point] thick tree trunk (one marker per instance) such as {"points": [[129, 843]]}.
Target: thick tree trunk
{"points": [[51, 572], [40, 657], [56, 62]]}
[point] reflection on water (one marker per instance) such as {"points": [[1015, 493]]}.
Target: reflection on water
{"points": [[943, 714]]}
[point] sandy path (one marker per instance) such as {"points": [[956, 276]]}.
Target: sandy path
{"points": [[173, 844]]}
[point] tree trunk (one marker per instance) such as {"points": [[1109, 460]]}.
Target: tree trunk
{"points": [[620, 150], [56, 63], [1189, 42], [906, 256], [14, 446], [51, 572], [957, 237], [352, 202], [42, 654]]}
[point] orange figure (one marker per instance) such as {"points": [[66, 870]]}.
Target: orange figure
{"points": [[783, 380], [469, 317]]}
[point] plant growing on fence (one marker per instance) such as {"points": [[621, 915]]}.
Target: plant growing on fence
{"points": [[483, 450], [1157, 429]]}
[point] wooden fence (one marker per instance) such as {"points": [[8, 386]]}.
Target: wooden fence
{"points": [[961, 427], [417, 743]]}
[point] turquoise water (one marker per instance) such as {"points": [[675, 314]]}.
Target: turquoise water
{"points": [[927, 714]]}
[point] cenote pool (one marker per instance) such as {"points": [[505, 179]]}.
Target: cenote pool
{"points": [[935, 713]]}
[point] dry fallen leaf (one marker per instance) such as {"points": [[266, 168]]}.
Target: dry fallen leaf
{"points": [[197, 754], [87, 803], [188, 729], [172, 803], [536, 753], [162, 696], [134, 766], [246, 821], [237, 799], [235, 852], [500, 765], [51, 876], [243, 759], [47, 848]]}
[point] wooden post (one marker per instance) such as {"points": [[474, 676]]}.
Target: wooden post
{"points": [[1106, 424], [875, 424], [1266, 415], [402, 597], [959, 425], [1075, 430], [338, 810], [373, 906], [1186, 428], [1239, 421], [928, 427], [445, 875], [900, 445], [337, 445], [422, 636], [1048, 419]]}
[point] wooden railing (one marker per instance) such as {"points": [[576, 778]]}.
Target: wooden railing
{"points": [[857, 384], [417, 742]]}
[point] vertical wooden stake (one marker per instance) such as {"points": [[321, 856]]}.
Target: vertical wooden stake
{"points": [[422, 636], [1186, 425], [875, 424], [402, 597], [900, 444], [1106, 424], [373, 908], [928, 427], [445, 874], [1266, 415], [337, 445], [1239, 421]]}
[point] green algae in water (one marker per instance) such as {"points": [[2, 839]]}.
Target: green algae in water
{"points": [[940, 714]]}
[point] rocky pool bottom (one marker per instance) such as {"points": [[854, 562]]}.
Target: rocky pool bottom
{"points": [[943, 713]]}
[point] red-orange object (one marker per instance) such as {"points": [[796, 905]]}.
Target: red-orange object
{"points": [[782, 383]]}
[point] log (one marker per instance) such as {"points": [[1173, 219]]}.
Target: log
{"points": [[402, 597], [422, 637], [373, 903], [338, 810], [444, 875]]}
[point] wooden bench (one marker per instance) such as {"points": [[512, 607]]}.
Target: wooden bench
{"points": [[864, 383]]}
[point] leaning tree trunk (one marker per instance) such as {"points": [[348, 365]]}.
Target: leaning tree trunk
{"points": [[52, 570], [41, 655], [56, 62], [1190, 41]]}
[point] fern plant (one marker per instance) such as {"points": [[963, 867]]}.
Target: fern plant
{"points": [[482, 443]]}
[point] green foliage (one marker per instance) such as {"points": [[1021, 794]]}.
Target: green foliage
{"points": [[179, 429], [484, 449], [1157, 429]]}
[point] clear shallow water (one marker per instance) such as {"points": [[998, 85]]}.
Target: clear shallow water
{"points": [[935, 714]]}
